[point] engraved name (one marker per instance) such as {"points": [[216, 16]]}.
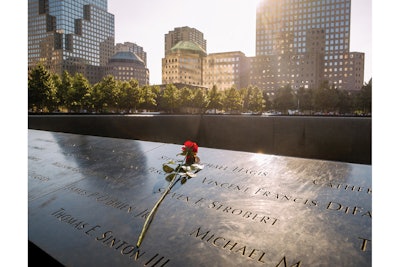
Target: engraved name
{"points": [[264, 192], [218, 206], [132, 251], [105, 199], [110, 240], [241, 249], [39, 177], [345, 187], [235, 169]]}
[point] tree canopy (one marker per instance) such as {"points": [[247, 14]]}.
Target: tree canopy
{"points": [[49, 92]]}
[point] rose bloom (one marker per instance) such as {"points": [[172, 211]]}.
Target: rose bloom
{"points": [[191, 146]]}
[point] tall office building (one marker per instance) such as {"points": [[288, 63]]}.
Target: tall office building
{"points": [[132, 47], [183, 64], [304, 35], [186, 62], [184, 34], [72, 35], [226, 70], [126, 65]]}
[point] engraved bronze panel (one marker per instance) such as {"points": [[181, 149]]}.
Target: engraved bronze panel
{"points": [[89, 197]]}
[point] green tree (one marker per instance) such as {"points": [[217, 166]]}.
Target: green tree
{"points": [[78, 94], [304, 99], [364, 98], [87, 103], [255, 99], [215, 99], [156, 90], [245, 95], [124, 100], [132, 95], [326, 97], [96, 98], [57, 84], [41, 89], [170, 98], [64, 89], [186, 98], [149, 95], [233, 100], [200, 100], [266, 100], [345, 102], [110, 92], [284, 99]]}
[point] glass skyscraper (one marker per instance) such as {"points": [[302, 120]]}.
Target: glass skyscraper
{"points": [[72, 35], [305, 31], [285, 24]]}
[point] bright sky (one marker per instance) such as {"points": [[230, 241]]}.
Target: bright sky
{"points": [[227, 25]]}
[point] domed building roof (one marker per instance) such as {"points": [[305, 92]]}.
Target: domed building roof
{"points": [[188, 46], [126, 56]]}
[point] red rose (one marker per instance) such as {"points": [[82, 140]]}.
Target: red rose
{"points": [[190, 146]]}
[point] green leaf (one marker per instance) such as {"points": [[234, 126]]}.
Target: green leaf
{"points": [[167, 168], [183, 180], [170, 177]]}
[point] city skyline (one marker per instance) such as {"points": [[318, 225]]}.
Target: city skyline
{"points": [[141, 24]]}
